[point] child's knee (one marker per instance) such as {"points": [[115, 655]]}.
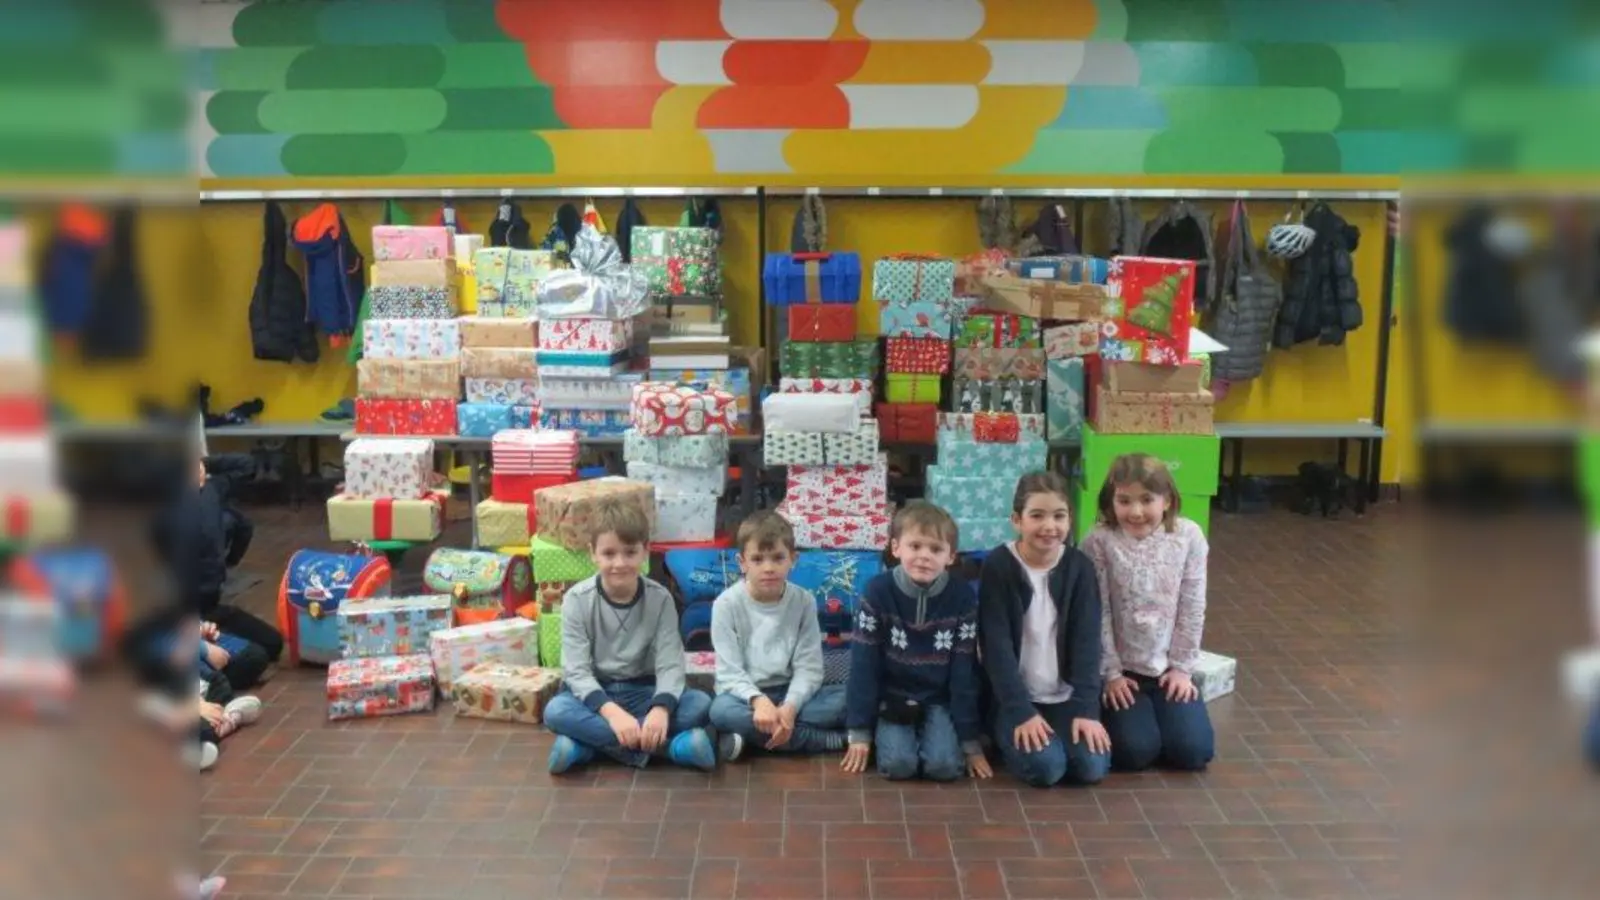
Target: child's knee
{"points": [[729, 712], [1042, 769], [1086, 767], [897, 765], [944, 767]]}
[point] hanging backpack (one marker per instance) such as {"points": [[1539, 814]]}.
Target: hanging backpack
{"points": [[1184, 232], [627, 220], [1247, 306], [314, 584]]}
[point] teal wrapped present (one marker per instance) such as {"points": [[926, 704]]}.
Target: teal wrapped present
{"points": [[923, 318], [1064, 398], [960, 451], [970, 496], [983, 534], [482, 419], [910, 277]]}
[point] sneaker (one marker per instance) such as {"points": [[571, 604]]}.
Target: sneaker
{"points": [[211, 888], [693, 749], [243, 710], [566, 753], [201, 756], [730, 746]]}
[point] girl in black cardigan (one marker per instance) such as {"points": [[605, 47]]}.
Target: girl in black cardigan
{"points": [[1039, 611]]}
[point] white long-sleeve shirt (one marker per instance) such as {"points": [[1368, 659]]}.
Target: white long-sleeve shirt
{"points": [[1153, 598]]}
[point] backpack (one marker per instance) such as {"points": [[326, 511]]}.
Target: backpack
{"points": [[315, 583], [1247, 306], [1184, 232]]}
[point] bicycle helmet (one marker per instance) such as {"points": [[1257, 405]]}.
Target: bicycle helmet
{"points": [[1287, 240]]}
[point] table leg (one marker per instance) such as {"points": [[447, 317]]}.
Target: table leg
{"points": [[1344, 456], [474, 492], [749, 471], [297, 481], [1365, 465], [1236, 477]]}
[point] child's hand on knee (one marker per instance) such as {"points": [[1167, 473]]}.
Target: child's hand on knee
{"points": [[978, 766], [855, 758], [1088, 731], [1179, 686], [765, 713], [1119, 693]]}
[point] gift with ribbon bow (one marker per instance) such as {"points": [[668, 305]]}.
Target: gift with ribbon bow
{"points": [[599, 284], [385, 519]]}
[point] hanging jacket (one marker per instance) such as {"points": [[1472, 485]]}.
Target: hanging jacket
{"points": [[809, 233], [117, 326], [1184, 231], [627, 220], [698, 213], [1321, 300], [509, 228], [335, 275], [67, 272], [1124, 231], [1480, 300], [279, 330], [1557, 293], [1051, 231], [997, 224]]}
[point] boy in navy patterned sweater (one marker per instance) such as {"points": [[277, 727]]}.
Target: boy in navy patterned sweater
{"points": [[913, 686]]}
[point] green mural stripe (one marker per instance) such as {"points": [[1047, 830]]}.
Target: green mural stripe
{"points": [[1490, 152], [1250, 109], [382, 22], [251, 68], [1395, 65], [1288, 22], [1389, 152], [1213, 149], [155, 154], [478, 153], [1575, 64], [1559, 150], [69, 112], [1115, 108], [71, 66], [500, 109], [236, 112], [1110, 21], [59, 154], [474, 22], [1299, 65], [355, 112], [1309, 153], [1495, 65], [1539, 22], [124, 23], [394, 66], [1178, 20], [42, 23], [1525, 110], [335, 155], [162, 111], [1391, 110], [277, 25], [485, 66], [247, 156], [1085, 152], [1183, 63]]}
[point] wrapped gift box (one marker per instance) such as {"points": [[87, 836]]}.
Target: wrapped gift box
{"points": [[411, 242], [372, 686], [1214, 675], [996, 428], [387, 416], [692, 451], [466, 248], [971, 270], [408, 379], [974, 395], [430, 273], [839, 490], [858, 388], [829, 413], [504, 523], [685, 517], [524, 416], [792, 448], [534, 452], [507, 391], [591, 423], [916, 356], [922, 319], [908, 422], [858, 447], [515, 488], [566, 364], [23, 413], [530, 263], [1040, 299], [480, 331], [1071, 269], [1064, 398], [677, 262], [391, 626], [680, 479], [1000, 330], [1072, 340], [505, 693], [383, 467], [989, 363], [482, 420], [822, 322], [514, 298], [1148, 311], [666, 410], [859, 532], [587, 335], [700, 671], [491, 265], [350, 519], [1153, 413], [907, 278], [984, 534], [961, 452], [849, 359], [500, 362], [967, 423], [27, 464], [564, 512], [589, 393], [967, 496], [39, 515], [1143, 378], [456, 651], [903, 388], [792, 278], [411, 339], [554, 563]]}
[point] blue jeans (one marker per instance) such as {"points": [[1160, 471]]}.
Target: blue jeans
{"points": [[933, 747], [1179, 735], [566, 715], [1060, 760], [823, 712]]}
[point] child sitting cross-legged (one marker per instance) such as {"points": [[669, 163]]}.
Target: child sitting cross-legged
{"points": [[913, 687], [622, 661], [769, 653]]}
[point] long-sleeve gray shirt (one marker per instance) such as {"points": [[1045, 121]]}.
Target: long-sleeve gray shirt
{"points": [[763, 645], [602, 641]]}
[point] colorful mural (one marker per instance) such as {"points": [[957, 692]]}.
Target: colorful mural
{"points": [[669, 91]]}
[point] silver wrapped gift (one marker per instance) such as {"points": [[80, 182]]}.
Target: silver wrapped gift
{"points": [[599, 284]]}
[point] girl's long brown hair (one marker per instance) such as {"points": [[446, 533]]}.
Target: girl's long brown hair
{"points": [[1149, 473], [1039, 483]]}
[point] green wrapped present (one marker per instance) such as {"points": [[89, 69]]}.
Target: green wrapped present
{"points": [[677, 262], [553, 562], [984, 328], [829, 359], [550, 640], [900, 387]]}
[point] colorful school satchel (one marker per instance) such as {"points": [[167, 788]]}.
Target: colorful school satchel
{"points": [[487, 585], [314, 584], [90, 602]]}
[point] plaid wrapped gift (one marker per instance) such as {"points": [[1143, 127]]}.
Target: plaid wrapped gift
{"points": [[983, 328], [792, 448], [665, 410], [391, 626], [923, 319], [564, 512], [385, 416], [482, 420], [903, 388], [909, 277], [384, 519], [411, 242], [375, 468], [413, 302], [1071, 340], [1148, 310], [372, 686], [478, 331], [825, 532], [1064, 398], [694, 451], [908, 422], [685, 517], [855, 448], [917, 356], [677, 262], [457, 651], [408, 379], [591, 423], [509, 391], [850, 359], [411, 339], [821, 322], [587, 335], [500, 362], [966, 496], [503, 523], [998, 395], [966, 423], [839, 490], [987, 363], [505, 693], [680, 479]]}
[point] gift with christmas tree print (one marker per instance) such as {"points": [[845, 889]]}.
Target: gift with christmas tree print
{"points": [[1149, 310]]}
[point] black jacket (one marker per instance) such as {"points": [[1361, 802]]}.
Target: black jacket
{"points": [[201, 551], [117, 327], [1004, 594], [1321, 300], [279, 329]]}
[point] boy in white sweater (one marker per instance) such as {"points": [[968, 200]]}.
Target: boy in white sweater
{"points": [[769, 653]]}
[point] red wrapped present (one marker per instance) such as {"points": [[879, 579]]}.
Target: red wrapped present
{"points": [[971, 270], [661, 409], [387, 416], [996, 428], [512, 487], [822, 322], [831, 532], [22, 414], [912, 423], [917, 356], [1149, 310]]}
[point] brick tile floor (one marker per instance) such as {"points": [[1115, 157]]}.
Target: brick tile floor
{"points": [[1299, 803]]}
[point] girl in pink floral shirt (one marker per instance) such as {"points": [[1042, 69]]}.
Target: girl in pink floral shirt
{"points": [[1151, 565]]}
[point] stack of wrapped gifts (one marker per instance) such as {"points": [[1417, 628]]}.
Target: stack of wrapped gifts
{"points": [[37, 510], [521, 462], [914, 292], [563, 517], [409, 378], [819, 294], [384, 668], [829, 448], [388, 493], [667, 419], [499, 345], [587, 332], [999, 365], [981, 456], [456, 651]]}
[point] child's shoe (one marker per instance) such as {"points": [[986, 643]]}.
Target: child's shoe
{"points": [[566, 753], [694, 749], [202, 756], [730, 746], [243, 710]]}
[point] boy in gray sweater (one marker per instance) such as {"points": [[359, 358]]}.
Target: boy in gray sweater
{"points": [[622, 661], [769, 653]]}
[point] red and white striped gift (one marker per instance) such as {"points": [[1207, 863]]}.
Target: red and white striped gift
{"points": [[523, 451]]}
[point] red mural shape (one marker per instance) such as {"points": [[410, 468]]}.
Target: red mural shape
{"points": [[784, 84]]}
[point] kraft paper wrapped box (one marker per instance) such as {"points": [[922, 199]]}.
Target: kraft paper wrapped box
{"points": [[1040, 299], [1130, 413], [690, 451], [483, 420], [350, 519], [411, 242], [457, 651], [849, 359], [435, 273], [711, 479], [970, 496], [36, 517], [391, 626], [1148, 310], [1215, 675], [564, 512], [907, 278], [381, 467], [411, 417], [505, 693], [502, 523], [661, 410], [367, 687], [685, 517], [587, 335], [829, 532], [500, 362], [839, 490], [1072, 340], [1064, 399], [677, 262], [593, 423], [411, 339], [408, 379], [480, 331], [987, 363], [509, 391], [923, 318]]}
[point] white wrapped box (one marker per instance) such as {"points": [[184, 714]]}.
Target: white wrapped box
{"points": [[379, 468], [816, 413], [711, 480], [589, 393], [1214, 675], [685, 517], [858, 388], [839, 490], [411, 339], [456, 650], [503, 391], [27, 465]]}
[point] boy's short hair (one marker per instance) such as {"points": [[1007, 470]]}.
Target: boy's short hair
{"points": [[928, 518], [624, 518], [767, 530]]}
